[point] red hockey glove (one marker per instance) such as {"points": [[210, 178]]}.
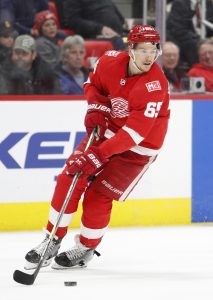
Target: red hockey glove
{"points": [[75, 155], [97, 115], [89, 163]]}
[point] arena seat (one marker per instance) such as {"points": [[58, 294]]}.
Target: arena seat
{"points": [[96, 48]]}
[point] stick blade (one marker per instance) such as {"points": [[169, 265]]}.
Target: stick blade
{"points": [[23, 278]]}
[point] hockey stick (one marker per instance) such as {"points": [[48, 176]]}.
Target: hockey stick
{"points": [[28, 279]]}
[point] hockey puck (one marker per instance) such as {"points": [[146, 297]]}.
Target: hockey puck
{"points": [[70, 283]]}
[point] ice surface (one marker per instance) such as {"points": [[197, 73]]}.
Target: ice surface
{"points": [[150, 263]]}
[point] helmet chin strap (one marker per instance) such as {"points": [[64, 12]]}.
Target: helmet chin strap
{"points": [[134, 62]]}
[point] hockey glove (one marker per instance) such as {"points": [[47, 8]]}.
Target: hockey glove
{"points": [[75, 155], [97, 115], [89, 163]]}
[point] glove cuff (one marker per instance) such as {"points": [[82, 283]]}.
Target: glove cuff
{"points": [[98, 154]]}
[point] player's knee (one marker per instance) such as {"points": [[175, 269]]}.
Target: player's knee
{"points": [[95, 199]]}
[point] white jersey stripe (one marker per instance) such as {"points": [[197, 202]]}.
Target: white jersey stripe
{"points": [[137, 138], [65, 220], [87, 81], [137, 149], [135, 181], [90, 233]]}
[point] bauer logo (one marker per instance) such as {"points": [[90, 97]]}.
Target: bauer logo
{"points": [[22, 150], [153, 86]]}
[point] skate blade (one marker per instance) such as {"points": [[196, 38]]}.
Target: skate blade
{"points": [[55, 266], [31, 266]]}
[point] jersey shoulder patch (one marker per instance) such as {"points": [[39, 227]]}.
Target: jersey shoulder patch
{"points": [[153, 86], [112, 53]]}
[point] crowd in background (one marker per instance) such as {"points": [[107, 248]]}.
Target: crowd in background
{"points": [[43, 45]]}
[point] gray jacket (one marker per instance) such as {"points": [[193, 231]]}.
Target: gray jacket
{"points": [[48, 50]]}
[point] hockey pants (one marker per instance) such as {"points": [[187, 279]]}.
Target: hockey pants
{"points": [[114, 182]]}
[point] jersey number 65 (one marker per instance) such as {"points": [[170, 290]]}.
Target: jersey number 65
{"points": [[152, 109]]}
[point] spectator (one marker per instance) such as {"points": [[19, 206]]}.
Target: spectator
{"points": [[47, 44], [91, 18], [6, 39], [170, 60], [21, 13], [205, 66], [181, 30], [25, 72], [209, 17], [72, 72]]}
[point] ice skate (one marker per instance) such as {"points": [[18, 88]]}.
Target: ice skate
{"points": [[78, 256], [33, 256]]}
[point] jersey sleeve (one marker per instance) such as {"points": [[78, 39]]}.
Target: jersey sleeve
{"points": [[146, 109], [149, 114], [94, 89]]}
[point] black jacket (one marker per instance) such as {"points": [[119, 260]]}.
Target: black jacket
{"points": [[87, 17], [209, 17], [40, 80], [21, 13], [180, 27], [4, 53]]}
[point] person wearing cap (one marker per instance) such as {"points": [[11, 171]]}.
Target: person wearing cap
{"points": [[72, 73], [49, 38], [24, 72], [128, 105], [21, 13], [6, 39]]}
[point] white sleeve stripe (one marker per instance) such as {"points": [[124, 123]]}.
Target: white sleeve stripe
{"points": [[137, 149], [135, 181], [137, 138]]}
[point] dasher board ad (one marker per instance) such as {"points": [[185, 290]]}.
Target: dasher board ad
{"points": [[38, 136]]}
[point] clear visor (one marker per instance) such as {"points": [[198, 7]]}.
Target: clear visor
{"points": [[144, 52], [153, 52]]}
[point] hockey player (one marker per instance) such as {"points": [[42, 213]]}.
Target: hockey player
{"points": [[128, 100]]}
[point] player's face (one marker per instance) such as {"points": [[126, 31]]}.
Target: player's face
{"points": [[145, 55]]}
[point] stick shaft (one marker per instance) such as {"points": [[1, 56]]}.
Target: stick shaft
{"points": [[25, 278], [64, 206]]}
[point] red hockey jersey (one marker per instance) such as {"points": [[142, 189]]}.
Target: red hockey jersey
{"points": [[139, 104]]}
